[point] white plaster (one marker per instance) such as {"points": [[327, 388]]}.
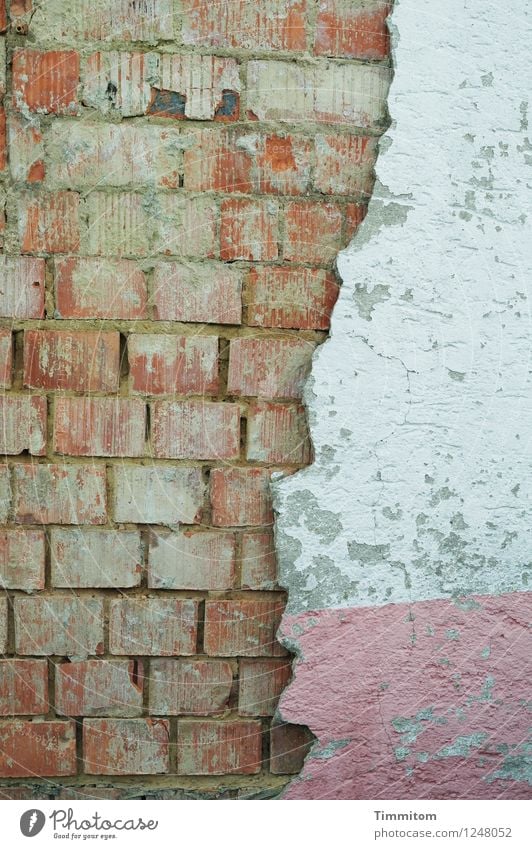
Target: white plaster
{"points": [[421, 402]]}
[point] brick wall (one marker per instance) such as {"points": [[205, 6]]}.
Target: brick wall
{"points": [[177, 181]]}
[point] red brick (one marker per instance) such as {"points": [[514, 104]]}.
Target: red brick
{"points": [[159, 495], [165, 364], [103, 427], [300, 298], [95, 558], [26, 148], [22, 424], [344, 165], [64, 625], [22, 288], [99, 288], [313, 232], [345, 29], [191, 561], [5, 493], [3, 140], [278, 434], [3, 624], [37, 749], [289, 745], [3, 16], [56, 494], [49, 223], [99, 688], [23, 687], [22, 560], [126, 746], [128, 75], [6, 358], [86, 361], [108, 20], [249, 229], [241, 497], [203, 88], [18, 8], [46, 81], [259, 562], [208, 747], [199, 687], [243, 627], [153, 626], [261, 684], [196, 430], [355, 214], [271, 368], [197, 292], [277, 25]]}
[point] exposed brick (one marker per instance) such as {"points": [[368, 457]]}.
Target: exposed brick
{"points": [[3, 140], [22, 424], [206, 747], [19, 8], [99, 288], [164, 364], [249, 229], [191, 561], [200, 87], [278, 434], [158, 494], [3, 16], [300, 298], [22, 287], [278, 25], [261, 682], [313, 232], [355, 214], [241, 497], [49, 223], [209, 293], [118, 224], [46, 81], [86, 361], [23, 687], [22, 560], [259, 563], [110, 20], [102, 427], [196, 430], [64, 625], [271, 368], [200, 687], [3, 624], [56, 494], [243, 627], [289, 745], [346, 28], [119, 81], [99, 688], [344, 165], [37, 749], [126, 746], [153, 626], [6, 358], [26, 148], [95, 558], [5, 493]]}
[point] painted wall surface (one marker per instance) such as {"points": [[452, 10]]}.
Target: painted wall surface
{"points": [[406, 546]]}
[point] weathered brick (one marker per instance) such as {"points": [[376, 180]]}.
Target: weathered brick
{"points": [[126, 746], [19, 9], [3, 140], [164, 364], [354, 214], [49, 223], [99, 288], [46, 81], [22, 560], [119, 81], [300, 298], [3, 16], [243, 627], [23, 687], [109, 20], [271, 368], [204, 88], [5, 493], [56, 494], [249, 229], [22, 287], [102, 427], [289, 745], [37, 748], [95, 558], [261, 682], [344, 165], [278, 433], [199, 687], [241, 497], [3, 624], [26, 148], [277, 25], [196, 430], [351, 29], [22, 424], [207, 747], [313, 232], [153, 626], [118, 224], [99, 688], [299, 93], [6, 358], [258, 561], [86, 361], [191, 561], [158, 494], [64, 625], [210, 293]]}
